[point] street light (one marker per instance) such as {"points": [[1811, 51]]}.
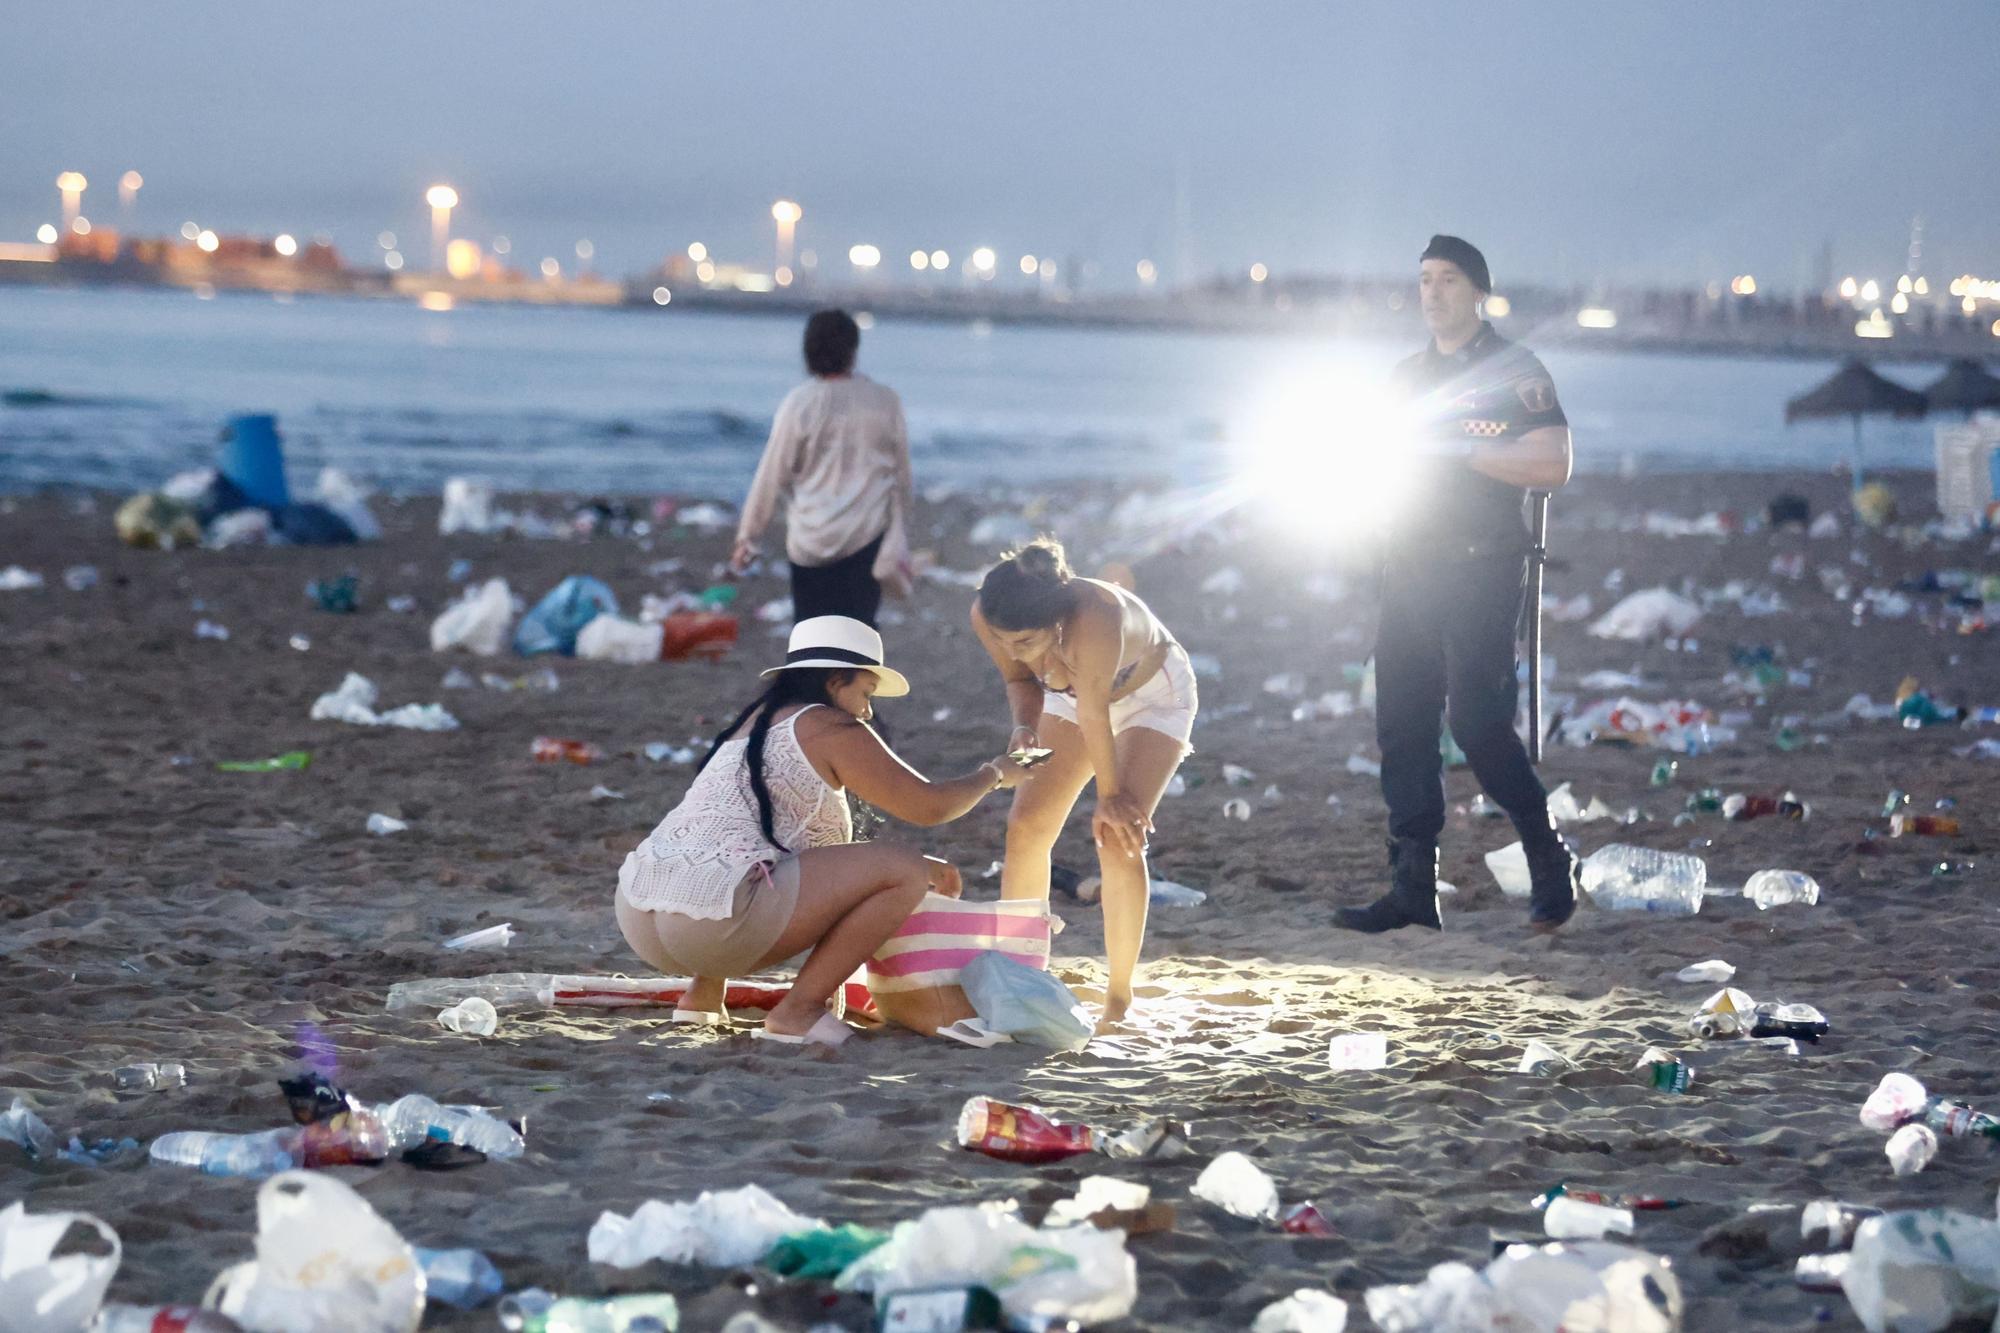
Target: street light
{"points": [[786, 214], [72, 185], [442, 199], [983, 260], [128, 193], [864, 256]]}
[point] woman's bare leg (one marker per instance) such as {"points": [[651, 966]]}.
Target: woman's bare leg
{"points": [[1146, 763], [1042, 805], [851, 899]]}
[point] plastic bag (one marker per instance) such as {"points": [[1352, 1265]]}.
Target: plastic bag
{"points": [[1573, 1287], [1304, 1311], [555, 621], [1028, 1005], [345, 497], [725, 1229], [1078, 1273], [325, 1261], [41, 1292], [468, 506], [1654, 613], [477, 622], [822, 1254], [1923, 1270], [609, 638]]}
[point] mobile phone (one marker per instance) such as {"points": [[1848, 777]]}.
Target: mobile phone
{"points": [[1029, 755]]}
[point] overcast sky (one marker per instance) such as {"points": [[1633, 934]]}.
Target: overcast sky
{"points": [[1572, 141]]}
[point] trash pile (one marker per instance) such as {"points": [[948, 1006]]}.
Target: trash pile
{"points": [[579, 618], [244, 500]]}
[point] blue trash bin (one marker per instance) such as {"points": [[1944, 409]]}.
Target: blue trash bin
{"points": [[254, 460]]}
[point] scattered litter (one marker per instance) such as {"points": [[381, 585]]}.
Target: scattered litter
{"points": [[1028, 1135], [723, 1229], [462, 1279], [325, 1259], [567, 609], [557, 749], [16, 579], [290, 760], [1775, 888], [1713, 971], [1509, 867], [603, 793], [1568, 1218], [661, 752], [1570, 1285], [1624, 878], [473, 1017], [1910, 1149], [1237, 809], [1167, 893], [1920, 1272], [149, 1077], [382, 825], [476, 622], [492, 937], [354, 703], [1304, 1311], [208, 629], [1362, 765], [1539, 1058], [1654, 613], [1094, 1194], [41, 1292]]}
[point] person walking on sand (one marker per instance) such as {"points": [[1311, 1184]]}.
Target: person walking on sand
{"points": [[840, 453], [1094, 677], [1453, 580], [758, 862]]}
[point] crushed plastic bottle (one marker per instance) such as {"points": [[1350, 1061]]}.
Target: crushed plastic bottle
{"points": [[558, 749], [1796, 1022], [290, 760], [1539, 1058], [416, 1119], [1625, 878], [1727, 1013], [1776, 888], [1166, 893], [462, 1279], [149, 1077], [1570, 1218], [1237, 1185]]}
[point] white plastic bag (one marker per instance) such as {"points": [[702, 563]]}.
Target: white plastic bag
{"points": [[1077, 1273], [1654, 613], [1304, 1311], [1572, 1287], [1922, 1270], [40, 1293], [326, 1263], [345, 497], [609, 638], [1235, 1184], [468, 506], [1028, 1005], [477, 622], [354, 704], [725, 1229]]}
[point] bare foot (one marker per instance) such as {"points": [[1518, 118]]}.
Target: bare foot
{"points": [[1116, 1006]]}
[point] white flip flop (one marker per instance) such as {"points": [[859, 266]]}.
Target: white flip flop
{"points": [[825, 1031], [700, 1018]]}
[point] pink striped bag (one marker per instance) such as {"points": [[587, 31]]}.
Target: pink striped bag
{"points": [[944, 934]]}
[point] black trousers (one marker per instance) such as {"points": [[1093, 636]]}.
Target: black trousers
{"points": [[1445, 649], [847, 587]]}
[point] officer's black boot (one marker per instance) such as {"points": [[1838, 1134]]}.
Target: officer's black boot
{"points": [[1555, 878], [1412, 899]]}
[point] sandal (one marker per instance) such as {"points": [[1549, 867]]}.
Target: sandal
{"points": [[825, 1031]]}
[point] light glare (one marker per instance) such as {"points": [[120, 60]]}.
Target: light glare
{"points": [[286, 245], [47, 233]]}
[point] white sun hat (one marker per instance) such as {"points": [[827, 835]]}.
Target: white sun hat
{"points": [[841, 642]]}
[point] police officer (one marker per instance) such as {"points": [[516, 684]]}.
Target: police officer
{"points": [[1453, 580]]}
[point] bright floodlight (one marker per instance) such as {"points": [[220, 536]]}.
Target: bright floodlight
{"points": [[983, 259], [864, 256], [47, 233], [697, 252], [920, 260], [72, 182], [441, 196], [208, 241], [940, 259], [786, 211], [286, 245]]}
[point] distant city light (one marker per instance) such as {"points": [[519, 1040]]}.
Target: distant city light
{"points": [[1149, 272], [1258, 273], [462, 259], [1498, 307], [783, 277], [864, 319], [1596, 317], [920, 260], [1969, 306], [940, 260], [1028, 265], [697, 252], [1923, 287], [72, 182], [1849, 289], [1871, 290], [1900, 304], [754, 282], [502, 246], [585, 250], [808, 259], [1976, 289], [705, 271], [131, 182], [1996, 328], [661, 296], [81, 226], [190, 230], [436, 301], [47, 233], [386, 239], [983, 259], [1903, 285], [1745, 285], [1875, 326], [393, 261], [441, 196], [208, 241], [286, 245], [864, 256], [786, 212], [551, 268], [1047, 268]]}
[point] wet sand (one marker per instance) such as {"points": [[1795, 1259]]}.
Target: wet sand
{"points": [[155, 910]]}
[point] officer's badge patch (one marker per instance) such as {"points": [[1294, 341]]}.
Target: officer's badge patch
{"points": [[1536, 395]]}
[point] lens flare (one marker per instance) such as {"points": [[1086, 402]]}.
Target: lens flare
{"points": [[1326, 457]]}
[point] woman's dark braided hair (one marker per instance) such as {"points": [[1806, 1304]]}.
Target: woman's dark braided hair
{"points": [[802, 685]]}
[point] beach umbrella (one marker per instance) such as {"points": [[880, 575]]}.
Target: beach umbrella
{"points": [[1856, 391], [1966, 386]]}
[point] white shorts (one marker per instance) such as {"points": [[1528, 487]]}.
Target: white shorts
{"points": [[1166, 703]]}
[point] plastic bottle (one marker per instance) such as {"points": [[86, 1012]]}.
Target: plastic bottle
{"points": [[1800, 1022], [500, 989], [536, 1311], [1835, 1220], [162, 1319], [253, 1155], [1573, 1219], [149, 1077], [1166, 893], [413, 1119], [1625, 878], [462, 1279], [1775, 888], [1663, 772], [1911, 1148], [1820, 1272]]}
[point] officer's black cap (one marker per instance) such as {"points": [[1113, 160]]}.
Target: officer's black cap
{"points": [[1464, 254]]}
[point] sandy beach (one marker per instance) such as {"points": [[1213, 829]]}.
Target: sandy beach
{"points": [[153, 908]]}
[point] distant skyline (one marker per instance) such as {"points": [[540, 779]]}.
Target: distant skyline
{"points": [[1572, 141]]}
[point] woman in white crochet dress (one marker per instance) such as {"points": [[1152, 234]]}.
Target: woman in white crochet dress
{"points": [[758, 863]]}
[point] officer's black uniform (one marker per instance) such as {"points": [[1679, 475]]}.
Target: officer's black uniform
{"points": [[1453, 582]]}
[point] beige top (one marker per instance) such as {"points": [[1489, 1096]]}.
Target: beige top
{"points": [[841, 453]]}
